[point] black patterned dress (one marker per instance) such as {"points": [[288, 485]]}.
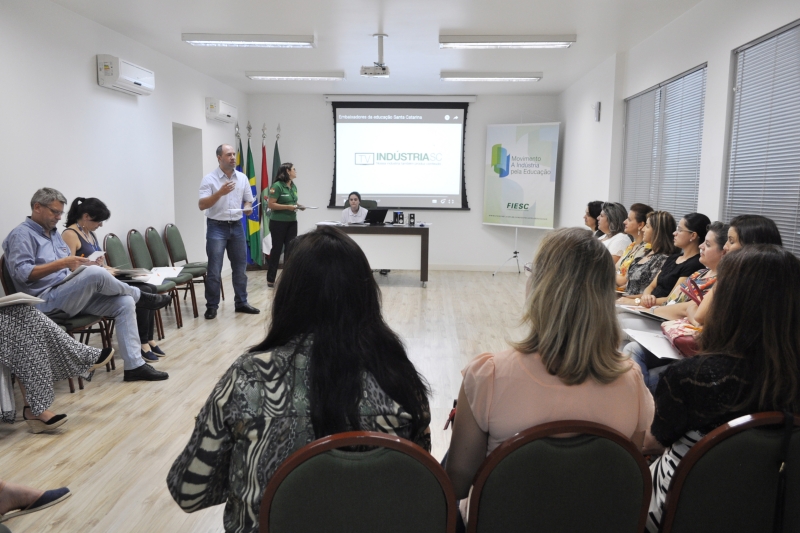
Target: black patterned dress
{"points": [[37, 352], [256, 417]]}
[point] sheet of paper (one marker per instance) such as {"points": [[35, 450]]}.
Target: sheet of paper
{"points": [[153, 279], [167, 272], [95, 256], [309, 207], [656, 343], [329, 223], [19, 298]]}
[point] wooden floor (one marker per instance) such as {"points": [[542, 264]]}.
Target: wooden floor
{"points": [[121, 438]]}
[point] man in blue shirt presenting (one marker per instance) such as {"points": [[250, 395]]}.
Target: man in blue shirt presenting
{"points": [[39, 261]]}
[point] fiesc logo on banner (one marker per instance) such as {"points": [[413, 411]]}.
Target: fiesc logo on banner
{"points": [[504, 163]]}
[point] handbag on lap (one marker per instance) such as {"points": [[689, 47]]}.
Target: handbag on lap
{"points": [[682, 335]]}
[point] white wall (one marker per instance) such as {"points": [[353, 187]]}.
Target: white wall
{"points": [[709, 32], [458, 240], [586, 146], [60, 129]]}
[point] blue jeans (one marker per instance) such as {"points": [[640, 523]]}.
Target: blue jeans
{"points": [[651, 365], [221, 236], [96, 292]]}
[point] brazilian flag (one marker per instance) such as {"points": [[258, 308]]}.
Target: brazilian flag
{"points": [[253, 228]]}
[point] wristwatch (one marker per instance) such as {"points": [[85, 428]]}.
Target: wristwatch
{"points": [[637, 301]]}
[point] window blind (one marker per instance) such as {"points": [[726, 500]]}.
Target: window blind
{"points": [[663, 137], [764, 164]]}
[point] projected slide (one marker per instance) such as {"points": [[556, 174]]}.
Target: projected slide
{"points": [[400, 157]]}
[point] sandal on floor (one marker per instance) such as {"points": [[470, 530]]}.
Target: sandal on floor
{"points": [[50, 497], [38, 426]]}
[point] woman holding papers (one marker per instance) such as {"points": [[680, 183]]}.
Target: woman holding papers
{"points": [[38, 352], [307, 379], [567, 367], [84, 217], [682, 303], [355, 214], [283, 218], [750, 360]]}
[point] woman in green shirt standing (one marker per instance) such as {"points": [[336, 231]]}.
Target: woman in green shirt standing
{"points": [[283, 220]]}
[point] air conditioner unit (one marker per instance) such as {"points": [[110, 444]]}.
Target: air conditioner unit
{"points": [[220, 110], [120, 75]]}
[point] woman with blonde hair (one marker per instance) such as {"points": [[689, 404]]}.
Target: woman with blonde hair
{"points": [[567, 366]]}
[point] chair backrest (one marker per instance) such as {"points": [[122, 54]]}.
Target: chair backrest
{"points": [[158, 252], [137, 247], [175, 246], [396, 487], [7, 281], [596, 481], [116, 256], [728, 481]]}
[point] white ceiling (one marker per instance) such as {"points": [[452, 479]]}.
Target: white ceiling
{"points": [[344, 29]]}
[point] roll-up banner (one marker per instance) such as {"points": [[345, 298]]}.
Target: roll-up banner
{"points": [[520, 175]]}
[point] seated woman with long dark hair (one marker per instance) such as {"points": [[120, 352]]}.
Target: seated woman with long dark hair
{"points": [[749, 362], [567, 367], [84, 217], [329, 364]]}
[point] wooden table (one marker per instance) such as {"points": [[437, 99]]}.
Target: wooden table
{"points": [[398, 230]]}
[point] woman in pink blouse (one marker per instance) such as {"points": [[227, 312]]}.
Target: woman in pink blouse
{"points": [[567, 367]]}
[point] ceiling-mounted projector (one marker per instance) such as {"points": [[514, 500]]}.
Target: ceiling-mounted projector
{"points": [[379, 70]]}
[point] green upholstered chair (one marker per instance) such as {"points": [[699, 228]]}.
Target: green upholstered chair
{"points": [[177, 254], [393, 488], [82, 325], [728, 481], [140, 257], [117, 257], [160, 257], [595, 481], [366, 204]]}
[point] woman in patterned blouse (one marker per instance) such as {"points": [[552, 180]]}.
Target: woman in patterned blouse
{"points": [[658, 232], [328, 364], [634, 226], [750, 360]]}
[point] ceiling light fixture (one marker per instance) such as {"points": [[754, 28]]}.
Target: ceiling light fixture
{"points": [[490, 76], [294, 76], [256, 41], [506, 41]]}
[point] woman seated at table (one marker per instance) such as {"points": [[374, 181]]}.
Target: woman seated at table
{"points": [[355, 214], [658, 233], [634, 227], [680, 305], [611, 222], [750, 360], [567, 367], [38, 352], [84, 217], [743, 230], [691, 231], [329, 364]]}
